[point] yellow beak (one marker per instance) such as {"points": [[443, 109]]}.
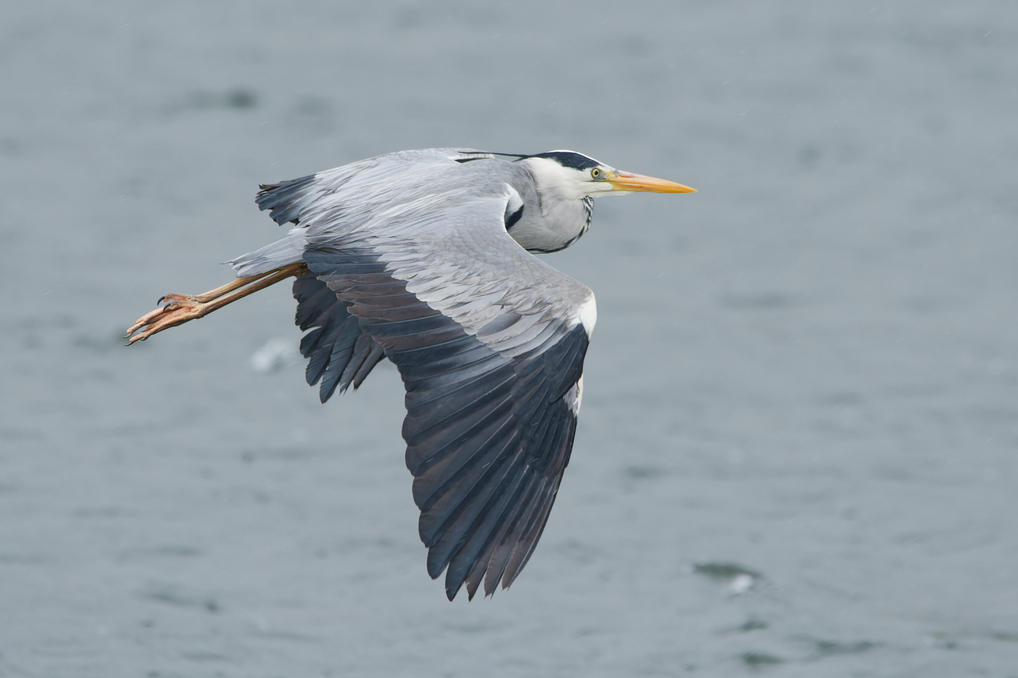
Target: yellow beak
{"points": [[627, 181]]}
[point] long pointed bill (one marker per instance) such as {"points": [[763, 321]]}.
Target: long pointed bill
{"points": [[627, 181]]}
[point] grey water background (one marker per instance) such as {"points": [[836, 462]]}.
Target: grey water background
{"points": [[796, 455]]}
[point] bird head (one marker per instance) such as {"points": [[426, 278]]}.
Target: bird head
{"points": [[574, 176]]}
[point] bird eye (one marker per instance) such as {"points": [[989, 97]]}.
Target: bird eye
{"points": [[595, 173]]}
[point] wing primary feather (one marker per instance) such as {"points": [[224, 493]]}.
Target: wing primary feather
{"points": [[422, 417], [525, 548], [467, 509], [461, 415], [480, 558], [457, 495], [441, 460], [483, 531], [501, 555]]}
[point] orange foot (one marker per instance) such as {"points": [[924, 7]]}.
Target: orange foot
{"points": [[178, 309], [181, 308]]}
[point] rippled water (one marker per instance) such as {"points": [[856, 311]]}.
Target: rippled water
{"points": [[797, 450]]}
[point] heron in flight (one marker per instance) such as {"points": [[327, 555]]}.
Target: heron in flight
{"points": [[426, 258]]}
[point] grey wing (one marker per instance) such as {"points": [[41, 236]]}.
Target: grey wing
{"points": [[339, 354], [354, 184], [490, 344]]}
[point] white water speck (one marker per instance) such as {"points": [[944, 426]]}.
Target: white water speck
{"points": [[741, 584], [274, 355]]}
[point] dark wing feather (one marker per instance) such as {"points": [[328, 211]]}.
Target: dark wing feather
{"points": [[339, 353], [285, 199], [488, 436]]}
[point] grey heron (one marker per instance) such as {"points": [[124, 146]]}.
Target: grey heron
{"points": [[426, 258]]}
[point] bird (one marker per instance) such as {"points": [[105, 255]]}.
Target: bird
{"points": [[427, 258]]}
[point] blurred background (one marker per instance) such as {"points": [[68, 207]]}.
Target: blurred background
{"points": [[796, 455]]}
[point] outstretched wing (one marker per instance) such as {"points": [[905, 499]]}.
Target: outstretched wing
{"points": [[489, 342]]}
